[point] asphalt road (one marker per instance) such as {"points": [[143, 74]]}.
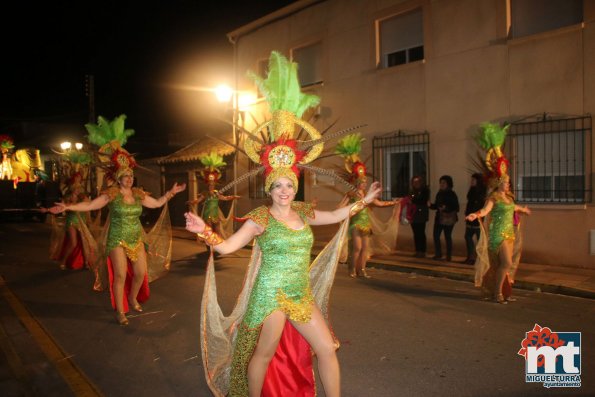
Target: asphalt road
{"points": [[401, 334]]}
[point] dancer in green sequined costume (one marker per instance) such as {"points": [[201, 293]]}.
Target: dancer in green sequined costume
{"points": [[75, 193], [282, 309], [125, 244], [281, 290], [67, 242], [360, 225], [211, 175], [499, 253]]}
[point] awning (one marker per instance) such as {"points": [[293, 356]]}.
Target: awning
{"points": [[197, 149]]}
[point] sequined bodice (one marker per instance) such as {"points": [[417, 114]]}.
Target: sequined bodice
{"points": [[211, 207], [501, 224], [125, 223], [284, 269], [361, 220]]}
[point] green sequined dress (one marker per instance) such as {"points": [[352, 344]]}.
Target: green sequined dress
{"points": [[210, 211], [360, 221], [125, 228], [282, 283], [501, 224], [74, 195]]}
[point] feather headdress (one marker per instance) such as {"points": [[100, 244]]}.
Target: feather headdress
{"points": [[212, 162], [272, 144], [491, 138], [349, 148], [110, 136]]}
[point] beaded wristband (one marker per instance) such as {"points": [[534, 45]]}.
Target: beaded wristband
{"points": [[358, 206], [210, 237]]}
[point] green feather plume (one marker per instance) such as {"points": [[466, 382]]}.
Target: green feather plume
{"points": [[105, 131], [77, 157], [350, 145], [491, 135], [281, 88], [212, 160]]}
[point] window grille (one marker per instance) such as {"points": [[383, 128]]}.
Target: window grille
{"points": [[401, 39], [551, 159], [397, 157]]}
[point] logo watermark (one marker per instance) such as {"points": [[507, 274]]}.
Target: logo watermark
{"points": [[552, 358]]}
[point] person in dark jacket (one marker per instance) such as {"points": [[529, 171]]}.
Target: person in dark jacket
{"points": [[476, 197], [419, 197], [446, 206]]}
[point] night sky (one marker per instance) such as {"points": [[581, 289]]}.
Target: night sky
{"points": [[137, 50]]}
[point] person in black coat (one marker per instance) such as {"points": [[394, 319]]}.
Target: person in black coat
{"points": [[446, 206], [419, 197], [476, 197]]}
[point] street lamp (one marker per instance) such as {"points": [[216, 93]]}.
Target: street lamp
{"points": [[78, 146], [65, 145], [224, 93]]}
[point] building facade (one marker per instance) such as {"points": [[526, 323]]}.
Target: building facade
{"points": [[422, 75]]}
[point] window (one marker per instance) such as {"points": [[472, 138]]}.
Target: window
{"points": [[399, 157], [401, 39], [535, 16], [309, 60], [550, 159]]}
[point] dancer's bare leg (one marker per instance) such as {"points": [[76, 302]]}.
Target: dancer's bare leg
{"points": [[269, 338], [356, 249], [140, 270], [319, 337], [363, 258], [505, 259], [119, 265], [71, 240]]}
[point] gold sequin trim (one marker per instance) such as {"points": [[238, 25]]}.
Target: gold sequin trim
{"points": [[139, 193], [260, 216], [296, 311], [111, 192], [131, 252], [363, 229], [244, 348], [303, 208]]}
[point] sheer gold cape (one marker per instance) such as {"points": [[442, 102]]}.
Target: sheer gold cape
{"points": [[218, 332], [485, 260]]}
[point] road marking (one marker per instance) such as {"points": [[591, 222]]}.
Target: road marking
{"points": [[72, 375]]}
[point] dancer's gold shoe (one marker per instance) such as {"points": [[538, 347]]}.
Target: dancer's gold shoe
{"points": [[121, 318], [136, 306]]}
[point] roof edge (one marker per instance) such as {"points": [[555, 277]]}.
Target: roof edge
{"points": [[270, 18]]}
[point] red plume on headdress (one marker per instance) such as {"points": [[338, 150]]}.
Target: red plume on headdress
{"points": [[121, 161], [283, 152]]}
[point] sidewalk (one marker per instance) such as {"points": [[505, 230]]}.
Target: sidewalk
{"points": [[544, 278]]}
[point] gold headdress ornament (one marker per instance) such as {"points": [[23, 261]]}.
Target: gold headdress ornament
{"points": [[110, 136], [212, 162], [281, 156], [491, 137], [272, 144], [349, 148]]}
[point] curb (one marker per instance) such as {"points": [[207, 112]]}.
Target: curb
{"points": [[519, 284], [450, 272]]}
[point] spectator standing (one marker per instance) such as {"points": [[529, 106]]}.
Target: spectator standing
{"points": [[419, 199], [476, 197], [447, 207]]}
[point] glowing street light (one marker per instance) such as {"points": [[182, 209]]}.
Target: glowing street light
{"points": [[78, 146], [223, 93], [65, 145]]}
